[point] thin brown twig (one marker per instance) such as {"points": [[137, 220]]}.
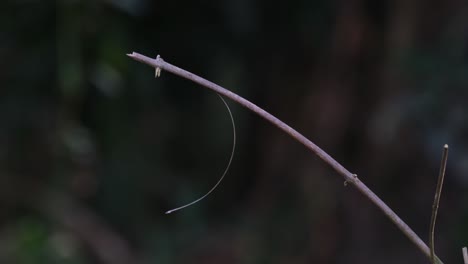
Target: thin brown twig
{"points": [[465, 255], [435, 206], [159, 63]]}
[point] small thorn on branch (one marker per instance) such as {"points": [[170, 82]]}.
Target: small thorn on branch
{"points": [[157, 73], [348, 181]]}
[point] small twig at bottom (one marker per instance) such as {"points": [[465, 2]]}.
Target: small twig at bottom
{"points": [[435, 206], [465, 255]]}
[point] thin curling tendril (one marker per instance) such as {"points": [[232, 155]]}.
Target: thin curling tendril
{"points": [[225, 170]]}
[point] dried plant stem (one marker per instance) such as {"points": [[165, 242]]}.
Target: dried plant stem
{"points": [[351, 178], [435, 206], [465, 255]]}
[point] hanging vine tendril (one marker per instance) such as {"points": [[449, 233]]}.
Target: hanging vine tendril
{"points": [[225, 170]]}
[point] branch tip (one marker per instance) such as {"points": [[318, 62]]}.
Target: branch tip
{"points": [[435, 206], [465, 255]]}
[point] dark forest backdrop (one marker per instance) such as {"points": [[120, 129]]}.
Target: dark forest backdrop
{"points": [[94, 150]]}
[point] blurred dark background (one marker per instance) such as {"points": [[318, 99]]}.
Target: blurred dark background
{"points": [[94, 149]]}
